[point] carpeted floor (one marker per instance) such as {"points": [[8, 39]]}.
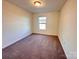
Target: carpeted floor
{"points": [[36, 46]]}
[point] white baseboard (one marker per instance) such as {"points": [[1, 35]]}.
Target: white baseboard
{"points": [[16, 40]]}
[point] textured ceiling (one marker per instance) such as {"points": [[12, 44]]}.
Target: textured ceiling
{"points": [[50, 5]]}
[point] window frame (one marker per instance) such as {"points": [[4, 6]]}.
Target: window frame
{"points": [[42, 23]]}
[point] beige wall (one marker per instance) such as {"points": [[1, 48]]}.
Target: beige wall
{"points": [[52, 23], [16, 23], [68, 29]]}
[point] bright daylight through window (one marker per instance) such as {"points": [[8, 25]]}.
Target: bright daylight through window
{"points": [[42, 23]]}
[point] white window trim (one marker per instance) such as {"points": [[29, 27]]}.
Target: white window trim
{"points": [[42, 23]]}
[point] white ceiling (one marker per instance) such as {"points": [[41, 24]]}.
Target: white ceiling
{"points": [[50, 5]]}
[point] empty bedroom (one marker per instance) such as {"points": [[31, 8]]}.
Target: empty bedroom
{"points": [[39, 29]]}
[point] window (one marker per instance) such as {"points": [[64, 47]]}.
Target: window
{"points": [[42, 23]]}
